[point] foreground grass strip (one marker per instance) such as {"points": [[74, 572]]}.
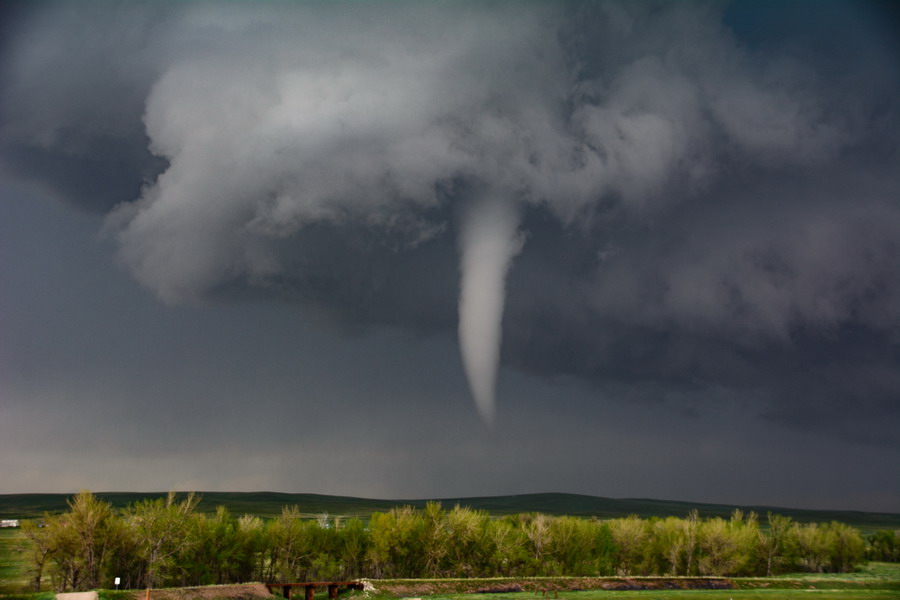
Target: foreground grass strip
{"points": [[13, 565], [553, 586], [768, 594]]}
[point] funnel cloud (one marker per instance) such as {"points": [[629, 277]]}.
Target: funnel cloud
{"points": [[488, 243]]}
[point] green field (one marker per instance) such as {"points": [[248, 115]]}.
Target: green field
{"points": [[12, 561], [875, 581], [269, 504], [694, 595]]}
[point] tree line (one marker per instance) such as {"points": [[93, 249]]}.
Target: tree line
{"points": [[167, 542]]}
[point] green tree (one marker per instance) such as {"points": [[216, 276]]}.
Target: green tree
{"points": [[577, 546], [252, 545], [39, 550], [506, 545], [162, 528], [728, 547], [465, 536], [629, 535], [354, 545], [66, 567], [537, 529], [810, 543], [671, 544], [846, 547], [771, 542], [883, 545], [718, 548], [286, 551], [691, 535], [123, 556], [89, 520], [398, 543]]}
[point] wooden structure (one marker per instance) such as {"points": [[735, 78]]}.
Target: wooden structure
{"points": [[310, 587]]}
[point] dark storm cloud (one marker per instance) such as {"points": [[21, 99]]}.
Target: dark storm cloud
{"points": [[704, 205], [71, 111]]}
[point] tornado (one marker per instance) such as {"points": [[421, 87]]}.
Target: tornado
{"points": [[489, 240]]}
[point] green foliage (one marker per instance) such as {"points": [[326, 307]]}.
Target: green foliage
{"points": [[728, 547], [168, 542], [629, 536], [825, 548], [115, 595], [164, 531], [884, 546], [74, 545]]}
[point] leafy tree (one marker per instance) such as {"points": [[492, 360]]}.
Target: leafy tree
{"points": [[354, 545], [433, 538], [537, 529], [123, 556], [66, 568], [40, 549], [846, 547], [506, 545], [88, 522], [728, 547], [252, 545], [884, 545], [398, 543], [629, 535], [671, 544], [578, 546], [464, 538], [810, 544], [691, 533], [718, 547], [162, 528], [771, 542], [285, 547]]}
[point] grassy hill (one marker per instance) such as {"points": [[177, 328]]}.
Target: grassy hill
{"points": [[269, 504]]}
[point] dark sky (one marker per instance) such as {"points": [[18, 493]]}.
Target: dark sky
{"points": [[398, 250]]}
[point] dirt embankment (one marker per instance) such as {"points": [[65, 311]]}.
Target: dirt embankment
{"points": [[405, 588], [425, 587], [247, 591]]}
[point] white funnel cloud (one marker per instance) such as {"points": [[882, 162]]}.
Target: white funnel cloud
{"points": [[488, 243]]}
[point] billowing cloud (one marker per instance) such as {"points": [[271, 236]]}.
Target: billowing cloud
{"points": [[683, 204]]}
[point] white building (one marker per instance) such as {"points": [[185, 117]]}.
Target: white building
{"points": [[9, 523]]}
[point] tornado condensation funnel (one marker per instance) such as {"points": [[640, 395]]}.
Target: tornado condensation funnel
{"points": [[489, 240]]}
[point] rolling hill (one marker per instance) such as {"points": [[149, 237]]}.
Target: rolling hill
{"points": [[269, 504]]}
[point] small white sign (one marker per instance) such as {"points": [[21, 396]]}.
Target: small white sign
{"points": [[118, 580]]}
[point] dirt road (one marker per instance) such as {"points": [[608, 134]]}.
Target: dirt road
{"points": [[77, 596]]}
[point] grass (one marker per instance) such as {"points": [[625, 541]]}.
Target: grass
{"points": [[22, 596], [873, 575], [12, 561], [115, 594], [872, 570], [693, 595], [874, 581]]}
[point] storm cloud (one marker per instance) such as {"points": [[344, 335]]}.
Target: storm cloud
{"points": [[694, 199]]}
